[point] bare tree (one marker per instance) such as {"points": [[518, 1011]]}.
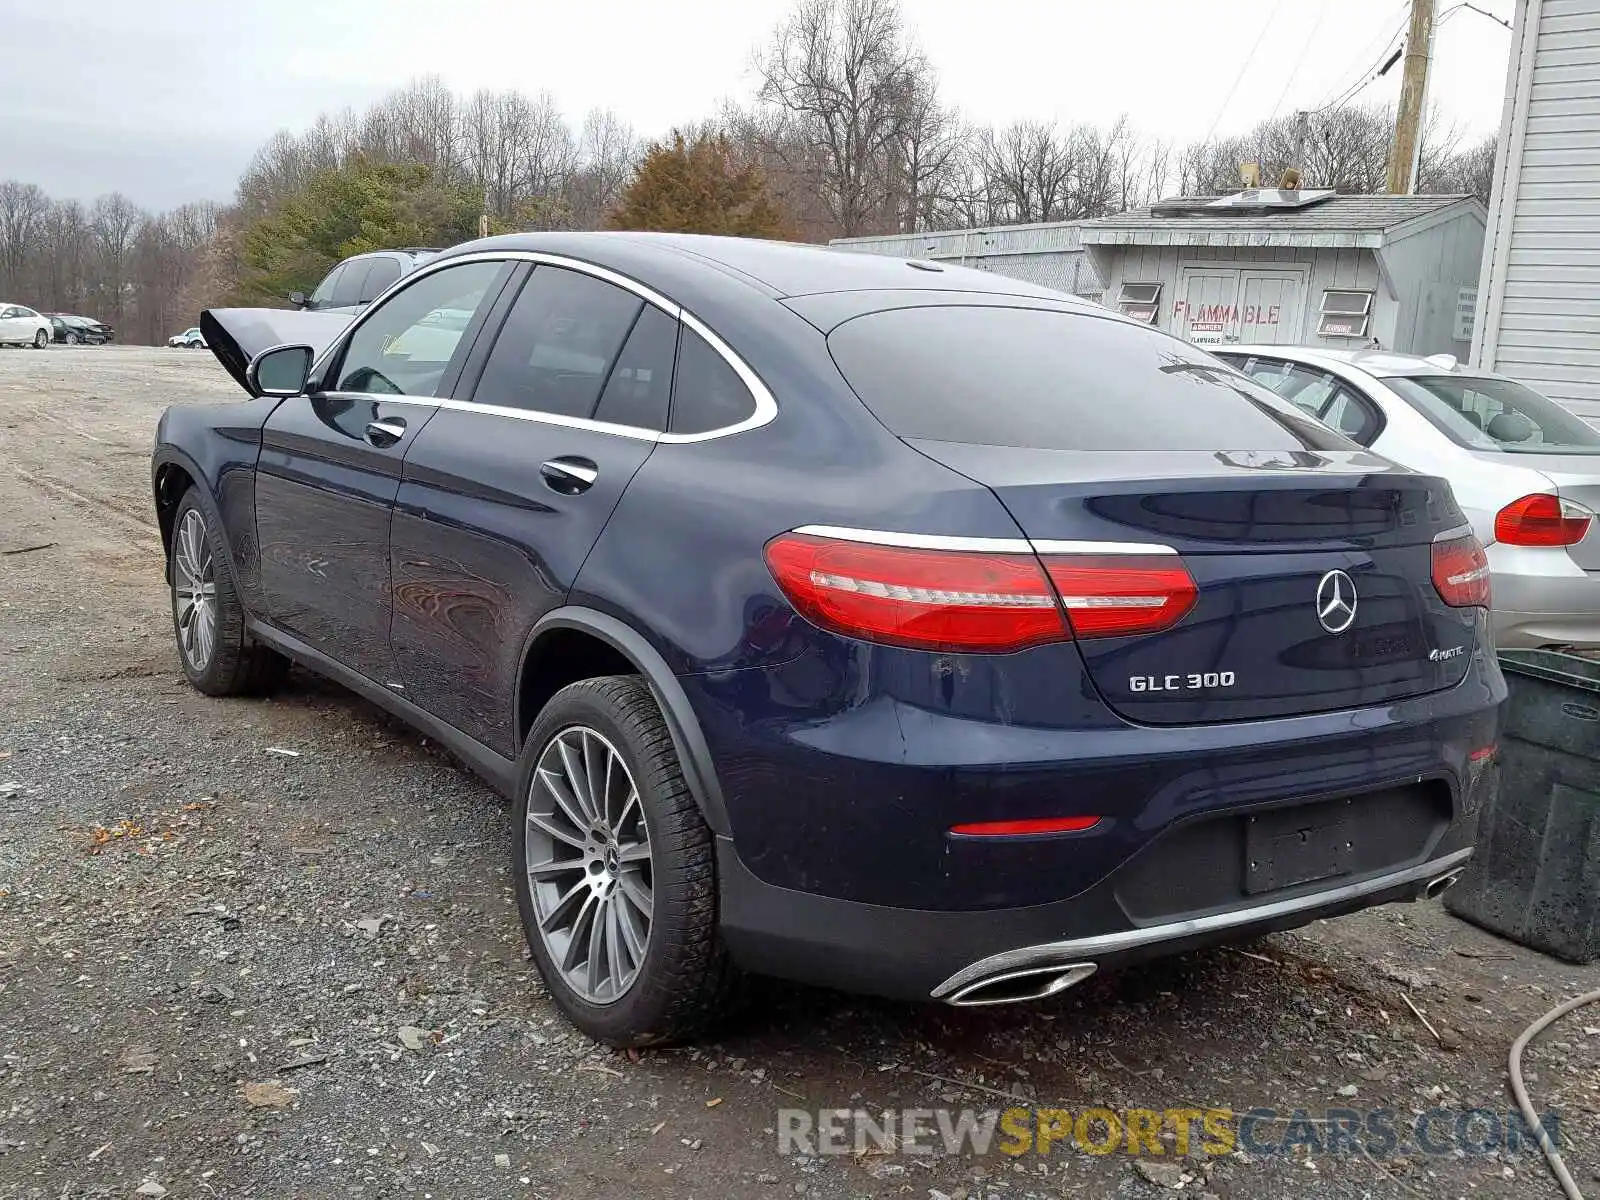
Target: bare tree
{"points": [[23, 209], [845, 74], [115, 220], [608, 153]]}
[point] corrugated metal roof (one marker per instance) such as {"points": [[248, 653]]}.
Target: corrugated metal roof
{"points": [[1349, 213]]}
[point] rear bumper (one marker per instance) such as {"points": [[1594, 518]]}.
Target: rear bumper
{"points": [[1543, 598], [913, 954]]}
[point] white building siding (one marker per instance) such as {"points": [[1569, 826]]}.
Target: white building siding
{"points": [[1539, 314]]}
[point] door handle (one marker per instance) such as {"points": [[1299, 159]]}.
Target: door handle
{"points": [[569, 476], [386, 432]]}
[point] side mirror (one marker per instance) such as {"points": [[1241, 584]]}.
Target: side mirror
{"points": [[281, 371], [298, 299]]}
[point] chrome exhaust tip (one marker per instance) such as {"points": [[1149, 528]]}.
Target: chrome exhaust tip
{"points": [[1437, 886], [1015, 987]]}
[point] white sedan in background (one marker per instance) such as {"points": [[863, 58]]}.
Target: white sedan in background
{"points": [[21, 326], [1525, 470]]}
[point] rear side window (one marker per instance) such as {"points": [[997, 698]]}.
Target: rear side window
{"points": [[558, 344], [1056, 381], [707, 393], [384, 272], [641, 383], [348, 290]]}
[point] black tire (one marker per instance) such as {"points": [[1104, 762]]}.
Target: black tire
{"points": [[685, 981], [70, 339], [41, 339], [234, 665]]}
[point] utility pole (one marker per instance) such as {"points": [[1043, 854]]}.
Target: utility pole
{"points": [[1403, 150], [1302, 135]]}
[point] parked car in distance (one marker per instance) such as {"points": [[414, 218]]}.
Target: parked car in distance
{"points": [[189, 339], [72, 331], [875, 624], [106, 332], [356, 282], [21, 326], [1525, 470]]}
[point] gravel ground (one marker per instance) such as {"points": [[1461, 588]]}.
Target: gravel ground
{"points": [[269, 948]]}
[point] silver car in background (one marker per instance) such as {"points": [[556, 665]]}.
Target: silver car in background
{"points": [[1525, 470]]}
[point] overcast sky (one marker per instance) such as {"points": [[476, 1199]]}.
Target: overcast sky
{"points": [[167, 99]]}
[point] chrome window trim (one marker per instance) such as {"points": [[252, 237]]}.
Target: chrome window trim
{"points": [[986, 545], [497, 410], [766, 405]]}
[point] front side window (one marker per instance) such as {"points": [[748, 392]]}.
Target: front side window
{"points": [[323, 296], [347, 292], [558, 344], [1057, 381], [1497, 414], [406, 343]]}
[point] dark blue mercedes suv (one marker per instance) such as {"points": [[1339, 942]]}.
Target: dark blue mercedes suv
{"points": [[865, 622]]}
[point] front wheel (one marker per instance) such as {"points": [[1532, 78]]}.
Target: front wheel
{"points": [[615, 872], [217, 655], [41, 339]]}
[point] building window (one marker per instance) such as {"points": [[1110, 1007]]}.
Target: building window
{"points": [[1345, 314], [1141, 301]]}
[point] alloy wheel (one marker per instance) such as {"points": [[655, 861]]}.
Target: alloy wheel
{"points": [[194, 591], [589, 865]]}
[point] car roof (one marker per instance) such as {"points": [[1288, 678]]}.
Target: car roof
{"points": [[781, 270], [1383, 364]]}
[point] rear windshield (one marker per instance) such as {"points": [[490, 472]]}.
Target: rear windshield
{"points": [[1058, 381], [1497, 414]]}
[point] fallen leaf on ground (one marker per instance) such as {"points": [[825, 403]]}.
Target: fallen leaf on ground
{"points": [[268, 1094], [413, 1038]]}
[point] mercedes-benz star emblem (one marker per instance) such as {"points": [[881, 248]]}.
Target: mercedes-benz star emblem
{"points": [[1336, 601]]}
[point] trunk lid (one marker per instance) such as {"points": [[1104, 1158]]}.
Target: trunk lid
{"points": [[237, 335], [1259, 533]]}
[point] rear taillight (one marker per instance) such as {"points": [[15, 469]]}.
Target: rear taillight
{"points": [[1542, 520], [1461, 570], [1119, 594], [927, 599], [976, 600]]}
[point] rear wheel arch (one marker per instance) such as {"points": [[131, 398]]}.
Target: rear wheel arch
{"points": [[576, 643]]}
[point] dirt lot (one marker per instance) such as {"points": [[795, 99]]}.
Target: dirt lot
{"points": [[270, 949]]}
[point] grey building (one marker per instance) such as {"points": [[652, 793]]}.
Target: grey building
{"points": [[1048, 254], [1298, 267], [1538, 316]]}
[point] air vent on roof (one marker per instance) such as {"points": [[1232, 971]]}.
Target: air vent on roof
{"points": [[1250, 202]]}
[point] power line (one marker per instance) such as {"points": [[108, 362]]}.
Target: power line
{"points": [[1294, 71], [1245, 66], [1346, 81], [1482, 11], [1390, 55]]}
